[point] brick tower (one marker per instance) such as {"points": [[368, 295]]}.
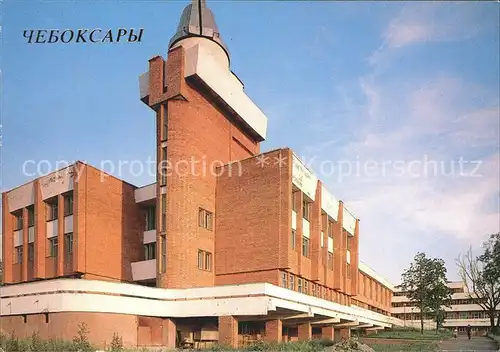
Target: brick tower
{"points": [[204, 120]]}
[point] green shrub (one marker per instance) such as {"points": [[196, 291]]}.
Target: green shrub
{"points": [[116, 343], [80, 341]]}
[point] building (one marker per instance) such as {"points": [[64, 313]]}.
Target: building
{"points": [[462, 312], [229, 245]]}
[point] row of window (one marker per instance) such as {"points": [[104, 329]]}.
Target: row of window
{"points": [[452, 290], [372, 289], [51, 206], [52, 249], [299, 284], [453, 302], [449, 315]]}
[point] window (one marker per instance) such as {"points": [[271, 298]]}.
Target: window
{"points": [[313, 289], [349, 244], [208, 261], [284, 281], [348, 269], [292, 282], [53, 247], [31, 216], [150, 218], [305, 246], [299, 284], [164, 212], [68, 204], [68, 243], [295, 200], [204, 260], [306, 287], [330, 261], [163, 169], [305, 209], [52, 210], [330, 229], [150, 251], [18, 220], [31, 252], [163, 240], [18, 253], [293, 239], [165, 124], [205, 219]]}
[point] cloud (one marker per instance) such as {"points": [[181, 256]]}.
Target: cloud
{"points": [[432, 22]]}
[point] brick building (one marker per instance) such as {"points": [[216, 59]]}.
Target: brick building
{"points": [[229, 245]]}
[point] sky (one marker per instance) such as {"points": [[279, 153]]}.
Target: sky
{"points": [[394, 105]]}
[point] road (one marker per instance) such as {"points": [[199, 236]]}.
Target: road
{"points": [[462, 344]]}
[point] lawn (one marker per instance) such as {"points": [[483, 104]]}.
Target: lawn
{"points": [[408, 334], [413, 346]]}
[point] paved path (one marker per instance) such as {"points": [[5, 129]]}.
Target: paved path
{"points": [[462, 344]]}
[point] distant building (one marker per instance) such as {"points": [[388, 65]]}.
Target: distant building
{"points": [[463, 311], [252, 247]]}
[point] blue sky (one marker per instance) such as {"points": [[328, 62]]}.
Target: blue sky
{"points": [[339, 81]]}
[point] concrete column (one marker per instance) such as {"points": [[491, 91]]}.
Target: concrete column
{"points": [[228, 331], [60, 235], [328, 332], [24, 264], [169, 333], [274, 329], [305, 332]]}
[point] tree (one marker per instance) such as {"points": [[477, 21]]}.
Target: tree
{"points": [[425, 284], [481, 276]]}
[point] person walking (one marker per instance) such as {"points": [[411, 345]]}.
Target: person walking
{"points": [[469, 331], [455, 333]]}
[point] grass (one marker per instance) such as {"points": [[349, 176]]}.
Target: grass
{"points": [[496, 338], [412, 334], [414, 346]]}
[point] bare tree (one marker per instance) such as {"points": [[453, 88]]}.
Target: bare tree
{"points": [[482, 279]]}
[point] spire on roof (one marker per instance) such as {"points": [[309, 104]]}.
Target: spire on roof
{"points": [[198, 21]]}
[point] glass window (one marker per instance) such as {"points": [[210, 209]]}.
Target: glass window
{"points": [[200, 259], [31, 252], [18, 255], [150, 218], [68, 243], [330, 261], [164, 212], [330, 229], [295, 200], [293, 239], [284, 281], [299, 284], [208, 261], [52, 210], [53, 247], [68, 204], [305, 246], [150, 251], [31, 216], [163, 240], [305, 209], [306, 287], [205, 219], [292, 282], [18, 220]]}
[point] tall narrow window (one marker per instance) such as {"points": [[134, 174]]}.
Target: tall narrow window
{"points": [[150, 251], [163, 263], [68, 204], [293, 239], [68, 243], [284, 281], [295, 200], [306, 287], [31, 216], [164, 212], [208, 261], [31, 251], [164, 132], [306, 206], [150, 223], [348, 268], [330, 229], [299, 284], [163, 168], [53, 247], [18, 220], [330, 260], [18, 254], [51, 207], [292, 282], [200, 259], [305, 246]]}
